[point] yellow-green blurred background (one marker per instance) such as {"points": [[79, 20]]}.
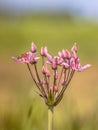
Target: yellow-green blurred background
{"points": [[20, 107]]}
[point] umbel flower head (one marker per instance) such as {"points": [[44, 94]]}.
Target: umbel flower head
{"points": [[57, 71]]}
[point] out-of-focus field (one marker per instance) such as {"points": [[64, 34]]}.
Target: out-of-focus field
{"points": [[78, 110]]}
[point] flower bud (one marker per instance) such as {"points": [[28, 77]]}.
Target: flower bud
{"points": [[51, 88], [68, 54], [43, 51], [63, 53], [47, 73], [43, 69], [74, 51], [54, 66], [74, 48], [33, 47], [55, 88], [60, 54]]}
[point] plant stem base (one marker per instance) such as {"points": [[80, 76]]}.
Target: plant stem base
{"points": [[50, 117]]}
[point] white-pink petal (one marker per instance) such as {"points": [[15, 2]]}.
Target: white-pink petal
{"points": [[19, 60], [82, 68]]}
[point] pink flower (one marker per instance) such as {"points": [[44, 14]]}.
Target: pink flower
{"points": [[27, 57], [66, 54], [55, 79], [33, 47], [52, 61], [65, 65], [44, 51], [75, 65]]}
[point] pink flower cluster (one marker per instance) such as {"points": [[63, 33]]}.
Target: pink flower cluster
{"points": [[28, 57], [57, 71]]}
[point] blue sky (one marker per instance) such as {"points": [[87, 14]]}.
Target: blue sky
{"points": [[88, 8]]}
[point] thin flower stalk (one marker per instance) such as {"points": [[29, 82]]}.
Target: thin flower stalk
{"points": [[50, 117]]}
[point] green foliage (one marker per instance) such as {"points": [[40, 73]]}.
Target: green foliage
{"points": [[16, 33]]}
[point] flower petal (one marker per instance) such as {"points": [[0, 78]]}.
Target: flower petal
{"points": [[19, 59], [82, 68]]}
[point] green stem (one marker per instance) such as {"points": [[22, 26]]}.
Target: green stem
{"points": [[50, 117]]}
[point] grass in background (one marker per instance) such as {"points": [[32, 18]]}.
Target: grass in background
{"points": [[16, 33], [78, 110]]}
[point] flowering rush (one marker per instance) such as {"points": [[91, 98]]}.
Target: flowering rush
{"points": [[56, 71]]}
